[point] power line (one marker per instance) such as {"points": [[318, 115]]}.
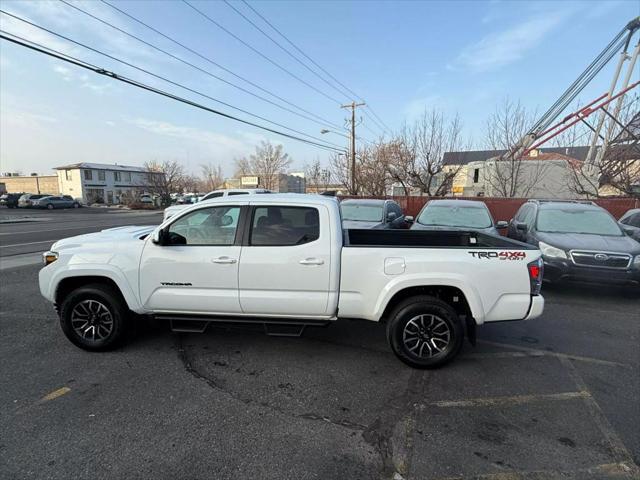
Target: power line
{"points": [[341, 92], [212, 62], [206, 72], [160, 77], [258, 52], [315, 63], [87, 66]]}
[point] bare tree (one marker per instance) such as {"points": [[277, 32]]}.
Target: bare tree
{"points": [[512, 175], [372, 172], [242, 167], [163, 179], [189, 184], [398, 159], [433, 136], [212, 177], [267, 163], [414, 158], [371, 176], [317, 177], [340, 167]]}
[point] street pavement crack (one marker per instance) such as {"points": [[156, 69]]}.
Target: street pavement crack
{"points": [[391, 434], [193, 371]]}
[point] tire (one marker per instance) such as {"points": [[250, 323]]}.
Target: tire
{"points": [[75, 205], [425, 332], [105, 315], [49, 206]]}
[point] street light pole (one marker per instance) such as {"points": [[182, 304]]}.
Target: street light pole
{"points": [[353, 106]]}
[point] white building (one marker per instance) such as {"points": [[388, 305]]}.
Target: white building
{"points": [[539, 175], [102, 183], [293, 182]]}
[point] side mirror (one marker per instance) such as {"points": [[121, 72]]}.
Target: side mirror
{"points": [[523, 227], [502, 224], [157, 236], [408, 219], [391, 216]]}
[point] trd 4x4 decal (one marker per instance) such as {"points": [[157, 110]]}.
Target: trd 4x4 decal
{"points": [[499, 255]]}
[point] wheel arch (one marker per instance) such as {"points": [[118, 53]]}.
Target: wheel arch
{"points": [[449, 294], [67, 284]]}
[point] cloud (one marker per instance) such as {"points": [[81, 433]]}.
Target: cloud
{"points": [[214, 141], [416, 107], [64, 72], [66, 20], [24, 119], [507, 46], [83, 79]]}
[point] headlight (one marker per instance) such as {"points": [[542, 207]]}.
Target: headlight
{"points": [[551, 251], [49, 257]]}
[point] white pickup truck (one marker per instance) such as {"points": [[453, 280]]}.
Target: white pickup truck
{"points": [[284, 261]]}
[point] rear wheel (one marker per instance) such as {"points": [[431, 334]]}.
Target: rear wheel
{"points": [[76, 205], [425, 332], [49, 206], [93, 317]]}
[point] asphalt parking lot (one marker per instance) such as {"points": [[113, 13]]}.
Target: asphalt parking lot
{"points": [[555, 397], [24, 233]]}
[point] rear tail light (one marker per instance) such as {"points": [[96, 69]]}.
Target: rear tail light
{"points": [[536, 269]]}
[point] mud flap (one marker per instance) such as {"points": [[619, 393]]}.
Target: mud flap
{"points": [[471, 329]]}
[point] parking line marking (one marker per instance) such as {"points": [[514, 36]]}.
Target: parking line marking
{"points": [[511, 400], [547, 353], [616, 445], [55, 394], [620, 470], [29, 243]]}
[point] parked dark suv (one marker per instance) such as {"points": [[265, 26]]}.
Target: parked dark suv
{"points": [[372, 213], [10, 200], [630, 223], [580, 241]]}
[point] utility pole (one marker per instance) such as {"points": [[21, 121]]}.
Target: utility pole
{"points": [[353, 106]]}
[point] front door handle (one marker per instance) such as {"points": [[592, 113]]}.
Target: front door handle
{"points": [[223, 260], [311, 261]]}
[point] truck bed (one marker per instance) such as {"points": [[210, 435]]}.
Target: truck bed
{"points": [[429, 239]]}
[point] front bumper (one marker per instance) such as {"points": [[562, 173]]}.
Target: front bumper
{"points": [[44, 282], [561, 270]]}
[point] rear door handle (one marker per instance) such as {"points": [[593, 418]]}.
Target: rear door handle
{"points": [[311, 261], [223, 260]]}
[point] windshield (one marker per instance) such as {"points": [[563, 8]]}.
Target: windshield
{"points": [[361, 213], [455, 216], [595, 222]]}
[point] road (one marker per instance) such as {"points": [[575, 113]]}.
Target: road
{"points": [[555, 397], [45, 227]]}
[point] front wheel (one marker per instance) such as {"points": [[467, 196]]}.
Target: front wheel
{"points": [[49, 206], [93, 317], [425, 332]]}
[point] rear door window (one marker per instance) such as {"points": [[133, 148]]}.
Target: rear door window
{"points": [[284, 226]]}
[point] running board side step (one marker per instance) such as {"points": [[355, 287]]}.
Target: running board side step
{"points": [[276, 327], [188, 326]]}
